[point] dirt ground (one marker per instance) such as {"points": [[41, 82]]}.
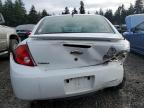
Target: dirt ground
{"points": [[131, 96]]}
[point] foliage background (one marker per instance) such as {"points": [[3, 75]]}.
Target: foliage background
{"points": [[15, 12]]}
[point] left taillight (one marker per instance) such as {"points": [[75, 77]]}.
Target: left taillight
{"points": [[22, 56]]}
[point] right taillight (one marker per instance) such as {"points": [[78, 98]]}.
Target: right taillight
{"points": [[22, 56], [114, 55]]}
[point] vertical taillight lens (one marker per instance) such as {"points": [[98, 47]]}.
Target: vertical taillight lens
{"points": [[22, 56]]}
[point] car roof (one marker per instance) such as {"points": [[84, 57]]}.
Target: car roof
{"points": [[25, 27]]}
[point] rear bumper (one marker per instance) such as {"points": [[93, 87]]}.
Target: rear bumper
{"points": [[32, 83]]}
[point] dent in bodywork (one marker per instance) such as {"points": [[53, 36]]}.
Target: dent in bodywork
{"points": [[59, 56]]}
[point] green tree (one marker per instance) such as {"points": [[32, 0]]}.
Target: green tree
{"points": [[101, 12], [118, 16], [44, 13], [39, 15], [96, 12], [19, 13], [74, 11], [109, 15], [8, 13], [131, 10], [1, 6], [123, 14], [138, 6], [33, 17], [66, 11], [82, 8]]}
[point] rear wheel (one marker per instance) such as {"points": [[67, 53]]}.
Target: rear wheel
{"points": [[13, 44]]}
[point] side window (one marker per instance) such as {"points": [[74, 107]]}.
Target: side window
{"points": [[140, 28]]}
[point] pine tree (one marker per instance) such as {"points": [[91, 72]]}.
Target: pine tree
{"points": [[101, 12], [44, 13], [123, 14], [97, 12], [1, 6], [19, 12], [33, 15], [22, 6], [109, 15], [82, 8], [131, 10], [66, 11], [8, 13], [138, 6], [117, 15], [74, 11], [39, 15]]}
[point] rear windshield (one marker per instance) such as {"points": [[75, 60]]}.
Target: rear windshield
{"points": [[74, 24]]}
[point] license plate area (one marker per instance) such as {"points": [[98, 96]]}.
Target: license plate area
{"points": [[79, 84]]}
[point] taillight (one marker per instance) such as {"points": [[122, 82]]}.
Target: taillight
{"points": [[22, 56], [114, 55]]}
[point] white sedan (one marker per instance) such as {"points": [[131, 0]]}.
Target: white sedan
{"points": [[68, 56]]}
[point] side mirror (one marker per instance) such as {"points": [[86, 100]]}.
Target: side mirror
{"points": [[133, 30], [1, 19]]}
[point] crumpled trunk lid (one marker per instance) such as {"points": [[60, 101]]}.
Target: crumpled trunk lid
{"points": [[64, 54]]}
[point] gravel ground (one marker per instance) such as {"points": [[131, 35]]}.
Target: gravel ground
{"points": [[132, 96]]}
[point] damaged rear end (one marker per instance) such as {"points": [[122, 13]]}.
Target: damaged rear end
{"points": [[68, 56], [76, 53], [65, 42]]}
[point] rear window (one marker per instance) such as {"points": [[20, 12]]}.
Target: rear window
{"points": [[74, 24]]}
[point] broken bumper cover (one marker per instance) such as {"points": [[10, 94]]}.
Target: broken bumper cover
{"points": [[32, 83]]}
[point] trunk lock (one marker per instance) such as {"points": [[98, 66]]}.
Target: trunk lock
{"points": [[75, 59]]}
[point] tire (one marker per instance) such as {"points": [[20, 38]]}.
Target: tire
{"points": [[13, 45]]}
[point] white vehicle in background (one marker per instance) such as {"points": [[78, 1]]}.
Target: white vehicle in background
{"points": [[68, 56], [8, 37]]}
